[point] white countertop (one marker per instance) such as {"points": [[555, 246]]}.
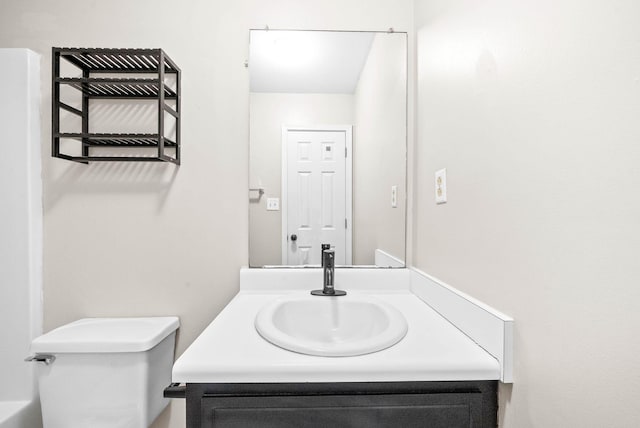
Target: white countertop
{"points": [[230, 350]]}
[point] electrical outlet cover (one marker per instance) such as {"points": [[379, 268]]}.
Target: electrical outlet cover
{"points": [[441, 186]]}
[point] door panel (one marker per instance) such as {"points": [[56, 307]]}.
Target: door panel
{"points": [[316, 192]]}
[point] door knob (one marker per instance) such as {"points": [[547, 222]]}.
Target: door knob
{"points": [[294, 237]]}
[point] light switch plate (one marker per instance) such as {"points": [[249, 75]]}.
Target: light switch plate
{"points": [[441, 186], [273, 204]]}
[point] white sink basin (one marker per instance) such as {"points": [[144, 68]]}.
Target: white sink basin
{"points": [[331, 326]]}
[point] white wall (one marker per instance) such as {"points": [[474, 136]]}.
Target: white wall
{"points": [[268, 113], [534, 109], [380, 150], [147, 239]]}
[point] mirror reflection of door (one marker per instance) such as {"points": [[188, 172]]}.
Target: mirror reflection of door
{"points": [[316, 79], [316, 194]]}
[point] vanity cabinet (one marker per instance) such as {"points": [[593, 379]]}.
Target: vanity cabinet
{"points": [[321, 405]]}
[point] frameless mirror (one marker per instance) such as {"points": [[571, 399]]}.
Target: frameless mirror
{"points": [[328, 147]]}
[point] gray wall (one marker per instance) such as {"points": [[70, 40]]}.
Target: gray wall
{"points": [[534, 108], [379, 151]]}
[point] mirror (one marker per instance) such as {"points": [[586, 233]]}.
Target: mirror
{"points": [[328, 147]]}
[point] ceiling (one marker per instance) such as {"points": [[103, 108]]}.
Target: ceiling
{"points": [[307, 61]]}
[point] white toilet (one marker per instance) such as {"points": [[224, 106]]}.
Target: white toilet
{"points": [[105, 372]]}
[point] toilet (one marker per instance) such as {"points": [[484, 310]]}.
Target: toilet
{"points": [[105, 372]]}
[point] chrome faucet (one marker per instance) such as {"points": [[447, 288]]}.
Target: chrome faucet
{"points": [[328, 274]]}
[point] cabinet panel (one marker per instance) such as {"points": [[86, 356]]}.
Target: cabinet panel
{"points": [[379, 411], [321, 405]]}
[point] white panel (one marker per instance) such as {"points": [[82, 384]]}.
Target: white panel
{"points": [[489, 328], [304, 151], [20, 223], [328, 149], [328, 184], [304, 196]]}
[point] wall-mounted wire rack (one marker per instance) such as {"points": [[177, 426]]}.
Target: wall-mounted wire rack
{"points": [[115, 74]]}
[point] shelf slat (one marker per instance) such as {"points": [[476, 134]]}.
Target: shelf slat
{"points": [[116, 140], [117, 88], [68, 108], [116, 60], [171, 111], [86, 159]]}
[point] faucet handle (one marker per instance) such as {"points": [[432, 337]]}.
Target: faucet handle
{"points": [[328, 258], [322, 248]]}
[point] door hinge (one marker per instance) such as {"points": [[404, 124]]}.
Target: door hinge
{"points": [[345, 152], [345, 223]]}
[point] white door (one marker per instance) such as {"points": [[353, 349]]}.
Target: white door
{"points": [[316, 194]]}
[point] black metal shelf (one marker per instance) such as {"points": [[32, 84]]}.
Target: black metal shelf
{"points": [[127, 64]]}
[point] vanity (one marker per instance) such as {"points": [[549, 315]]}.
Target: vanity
{"points": [[435, 375], [401, 349]]}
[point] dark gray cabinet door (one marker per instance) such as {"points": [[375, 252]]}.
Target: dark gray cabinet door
{"points": [[375, 411], [460, 404]]}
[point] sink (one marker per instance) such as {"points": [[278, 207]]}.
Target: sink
{"points": [[331, 326]]}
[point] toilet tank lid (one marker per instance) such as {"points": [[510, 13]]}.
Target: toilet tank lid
{"points": [[106, 335]]}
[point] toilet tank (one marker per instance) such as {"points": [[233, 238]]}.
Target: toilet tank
{"points": [[105, 372]]}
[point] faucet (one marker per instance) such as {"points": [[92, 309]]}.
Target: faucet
{"points": [[328, 270]]}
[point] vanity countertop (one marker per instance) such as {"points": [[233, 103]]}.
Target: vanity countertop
{"points": [[230, 350]]}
